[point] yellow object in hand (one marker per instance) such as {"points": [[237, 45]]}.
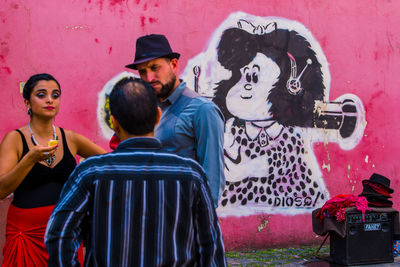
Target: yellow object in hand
{"points": [[52, 143]]}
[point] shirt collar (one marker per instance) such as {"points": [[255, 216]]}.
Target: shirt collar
{"points": [[253, 129], [175, 95], [140, 143]]}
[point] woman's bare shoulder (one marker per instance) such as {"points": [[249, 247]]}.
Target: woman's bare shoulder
{"points": [[11, 143], [13, 136]]}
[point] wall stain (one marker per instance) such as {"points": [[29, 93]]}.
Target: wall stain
{"points": [[374, 97], [115, 2], [326, 166], [101, 5], [142, 21], [390, 43], [376, 55], [264, 223], [348, 170], [152, 20], [77, 27], [4, 49], [5, 70]]}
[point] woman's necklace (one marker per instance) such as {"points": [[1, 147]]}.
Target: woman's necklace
{"points": [[50, 160]]}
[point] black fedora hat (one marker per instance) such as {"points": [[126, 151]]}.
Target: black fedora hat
{"points": [[379, 179], [150, 47]]}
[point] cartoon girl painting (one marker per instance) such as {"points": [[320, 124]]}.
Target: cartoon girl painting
{"points": [[264, 101]]}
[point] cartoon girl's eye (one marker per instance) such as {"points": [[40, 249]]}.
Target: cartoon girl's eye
{"points": [[255, 77], [248, 77]]}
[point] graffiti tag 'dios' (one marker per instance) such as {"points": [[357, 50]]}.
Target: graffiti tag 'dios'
{"points": [[270, 78]]}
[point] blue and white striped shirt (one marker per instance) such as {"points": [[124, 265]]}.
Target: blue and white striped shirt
{"points": [[136, 206]]}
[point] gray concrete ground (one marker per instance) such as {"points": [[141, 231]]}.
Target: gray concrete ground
{"points": [[290, 257]]}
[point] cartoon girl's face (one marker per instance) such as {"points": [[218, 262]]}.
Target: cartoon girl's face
{"points": [[247, 99]]}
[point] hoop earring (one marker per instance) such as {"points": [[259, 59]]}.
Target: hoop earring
{"points": [[29, 112]]}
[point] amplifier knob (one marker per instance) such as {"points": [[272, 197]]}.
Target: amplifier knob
{"points": [[352, 230]]}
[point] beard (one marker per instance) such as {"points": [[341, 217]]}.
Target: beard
{"points": [[167, 88]]}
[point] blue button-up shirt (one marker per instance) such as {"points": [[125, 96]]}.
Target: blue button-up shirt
{"points": [[193, 126]]}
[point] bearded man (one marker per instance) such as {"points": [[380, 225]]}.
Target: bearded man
{"points": [[191, 126]]}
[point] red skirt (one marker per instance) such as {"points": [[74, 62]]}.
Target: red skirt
{"points": [[25, 229]]}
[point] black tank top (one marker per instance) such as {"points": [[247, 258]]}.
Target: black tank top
{"points": [[42, 186]]}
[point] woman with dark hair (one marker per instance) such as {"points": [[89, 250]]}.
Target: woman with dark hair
{"points": [[270, 95], [35, 162]]}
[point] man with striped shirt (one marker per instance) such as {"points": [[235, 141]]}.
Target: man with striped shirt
{"points": [[138, 205]]}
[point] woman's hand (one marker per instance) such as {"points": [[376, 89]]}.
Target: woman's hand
{"points": [[39, 153]]}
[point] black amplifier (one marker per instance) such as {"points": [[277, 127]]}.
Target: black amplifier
{"points": [[366, 242]]}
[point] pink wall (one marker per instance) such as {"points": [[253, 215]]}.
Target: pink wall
{"points": [[86, 43]]}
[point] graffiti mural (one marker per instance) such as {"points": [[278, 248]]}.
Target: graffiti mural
{"points": [[271, 80]]}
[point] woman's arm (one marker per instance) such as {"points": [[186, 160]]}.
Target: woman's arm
{"points": [[12, 172], [83, 146]]}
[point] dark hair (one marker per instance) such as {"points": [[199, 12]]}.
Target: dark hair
{"points": [[134, 105], [33, 80], [238, 47]]}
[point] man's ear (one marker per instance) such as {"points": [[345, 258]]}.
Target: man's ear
{"points": [[174, 65], [159, 112], [115, 125]]}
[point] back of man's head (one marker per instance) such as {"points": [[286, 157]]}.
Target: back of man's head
{"points": [[134, 105]]}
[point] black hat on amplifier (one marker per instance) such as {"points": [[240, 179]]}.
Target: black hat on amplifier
{"points": [[379, 180]]}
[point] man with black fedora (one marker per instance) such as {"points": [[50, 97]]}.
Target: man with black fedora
{"points": [[191, 126]]}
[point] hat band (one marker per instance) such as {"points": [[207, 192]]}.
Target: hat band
{"points": [[379, 188], [154, 54]]}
